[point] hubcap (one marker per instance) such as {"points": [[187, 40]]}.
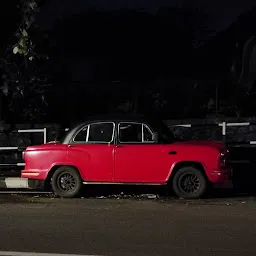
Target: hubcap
{"points": [[189, 183], [66, 182]]}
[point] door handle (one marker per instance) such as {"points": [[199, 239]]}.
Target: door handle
{"points": [[172, 153], [71, 146], [119, 146]]}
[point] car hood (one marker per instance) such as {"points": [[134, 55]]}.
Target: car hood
{"points": [[214, 144]]}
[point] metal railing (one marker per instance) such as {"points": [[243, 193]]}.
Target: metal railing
{"points": [[224, 126], [44, 131]]}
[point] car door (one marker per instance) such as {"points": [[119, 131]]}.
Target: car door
{"points": [[92, 151], [137, 158]]}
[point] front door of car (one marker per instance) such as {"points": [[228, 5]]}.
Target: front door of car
{"points": [[137, 158], [92, 151]]}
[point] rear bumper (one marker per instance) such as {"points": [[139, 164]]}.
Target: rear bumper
{"points": [[221, 176], [34, 174]]}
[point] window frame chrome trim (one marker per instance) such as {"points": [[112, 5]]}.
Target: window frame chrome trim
{"points": [[134, 142], [87, 134]]}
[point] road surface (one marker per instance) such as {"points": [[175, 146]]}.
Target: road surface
{"points": [[127, 227]]}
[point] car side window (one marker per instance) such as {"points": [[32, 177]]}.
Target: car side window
{"points": [[102, 132], [96, 133], [130, 132], [147, 134], [82, 135], [134, 133]]}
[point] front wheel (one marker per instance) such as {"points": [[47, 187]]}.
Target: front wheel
{"points": [[66, 182], [189, 183]]}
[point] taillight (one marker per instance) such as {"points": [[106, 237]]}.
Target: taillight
{"points": [[223, 160]]}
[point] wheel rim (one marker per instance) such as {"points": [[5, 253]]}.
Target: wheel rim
{"points": [[189, 183], [66, 182]]}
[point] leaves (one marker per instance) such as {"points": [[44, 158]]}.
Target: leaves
{"points": [[22, 79], [32, 5], [25, 46], [5, 89], [15, 49], [24, 33], [22, 42]]}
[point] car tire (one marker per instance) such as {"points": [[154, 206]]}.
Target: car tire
{"points": [[189, 183], [66, 182]]}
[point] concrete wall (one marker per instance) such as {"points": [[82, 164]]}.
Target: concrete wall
{"points": [[244, 174], [208, 132], [9, 137]]}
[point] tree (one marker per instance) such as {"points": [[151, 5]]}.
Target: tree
{"points": [[24, 83]]}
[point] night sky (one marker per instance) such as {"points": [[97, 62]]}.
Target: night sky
{"points": [[223, 12], [160, 54]]}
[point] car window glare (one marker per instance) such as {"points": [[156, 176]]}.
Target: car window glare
{"points": [[124, 127]]}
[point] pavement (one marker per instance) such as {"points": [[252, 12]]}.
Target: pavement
{"points": [[17, 183], [146, 226], [13, 182]]}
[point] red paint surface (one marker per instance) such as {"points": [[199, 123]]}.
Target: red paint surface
{"points": [[140, 163]]}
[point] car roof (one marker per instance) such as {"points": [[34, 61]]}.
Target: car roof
{"points": [[117, 117], [154, 123]]}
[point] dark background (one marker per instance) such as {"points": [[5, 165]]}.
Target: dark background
{"points": [[176, 59], [183, 59]]}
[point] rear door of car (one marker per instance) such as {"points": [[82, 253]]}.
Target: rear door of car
{"points": [[92, 151]]}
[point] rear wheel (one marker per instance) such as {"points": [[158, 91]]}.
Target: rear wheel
{"points": [[189, 183], [66, 182]]}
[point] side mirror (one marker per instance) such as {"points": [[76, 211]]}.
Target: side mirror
{"points": [[155, 136]]}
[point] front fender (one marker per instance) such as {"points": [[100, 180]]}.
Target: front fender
{"points": [[180, 164]]}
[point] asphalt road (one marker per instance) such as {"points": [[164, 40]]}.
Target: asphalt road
{"points": [[128, 227]]}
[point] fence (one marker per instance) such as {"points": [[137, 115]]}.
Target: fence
{"points": [[20, 149], [223, 125]]}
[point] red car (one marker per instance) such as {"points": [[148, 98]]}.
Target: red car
{"points": [[127, 151]]}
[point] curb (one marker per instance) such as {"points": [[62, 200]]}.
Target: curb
{"points": [[18, 183]]}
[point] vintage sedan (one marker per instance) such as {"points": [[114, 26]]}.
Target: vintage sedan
{"points": [[127, 151]]}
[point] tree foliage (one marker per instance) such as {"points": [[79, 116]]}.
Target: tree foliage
{"points": [[23, 81]]}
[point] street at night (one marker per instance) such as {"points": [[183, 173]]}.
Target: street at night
{"points": [[127, 226], [149, 107]]}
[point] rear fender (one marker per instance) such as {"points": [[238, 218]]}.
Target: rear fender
{"points": [[55, 166]]}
